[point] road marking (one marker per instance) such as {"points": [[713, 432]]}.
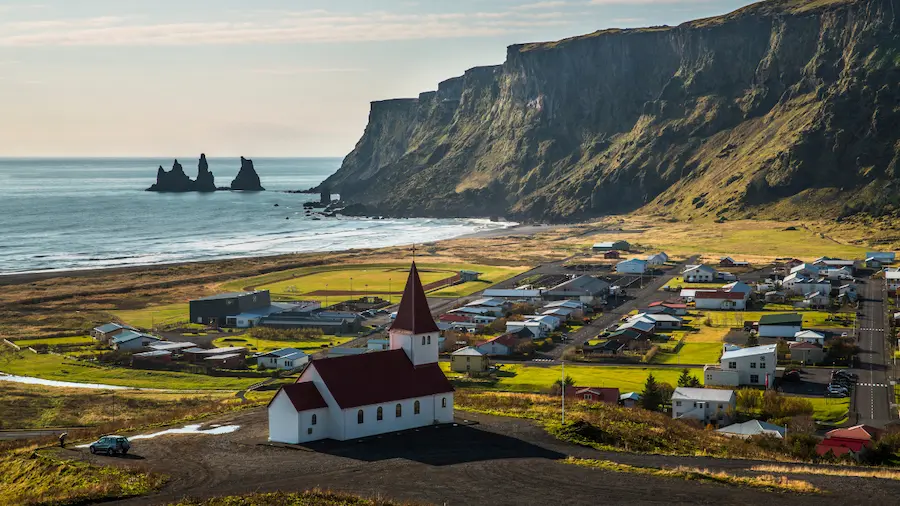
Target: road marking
{"points": [[872, 330], [872, 385]]}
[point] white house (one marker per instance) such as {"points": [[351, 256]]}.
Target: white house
{"points": [[780, 325], [709, 405], [699, 274], [806, 270], [657, 259], [839, 273], [661, 321], [504, 344], [130, 340], [892, 279], [355, 396], [720, 299], [743, 366], [810, 336], [285, 359], [632, 266], [537, 329], [816, 299]]}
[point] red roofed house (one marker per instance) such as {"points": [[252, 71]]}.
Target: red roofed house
{"points": [[593, 394], [672, 308], [612, 254], [501, 345], [854, 440], [353, 396]]}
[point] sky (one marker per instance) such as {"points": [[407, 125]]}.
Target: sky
{"points": [[257, 77]]}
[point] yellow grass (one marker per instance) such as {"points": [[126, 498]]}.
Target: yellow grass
{"points": [[884, 474]]}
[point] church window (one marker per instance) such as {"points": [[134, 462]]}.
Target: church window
{"points": [[444, 402], [429, 339], [309, 430], [313, 419], [417, 407], [423, 340], [380, 414], [359, 416], [398, 410]]}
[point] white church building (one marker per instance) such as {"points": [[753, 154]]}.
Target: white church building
{"points": [[373, 393]]}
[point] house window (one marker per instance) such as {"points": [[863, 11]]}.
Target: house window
{"points": [[443, 402], [398, 410], [588, 397], [314, 420], [754, 378], [423, 340], [752, 365], [417, 407], [732, 365], [678, 403], [379, 415], [359, 416]]}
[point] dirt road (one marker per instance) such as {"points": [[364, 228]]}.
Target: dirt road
{"points": [[498, 461]]}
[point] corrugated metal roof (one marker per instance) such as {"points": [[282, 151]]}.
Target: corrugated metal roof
{"points": [[702, 394], [749, 352]]}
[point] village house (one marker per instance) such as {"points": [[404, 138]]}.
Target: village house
{"points": [[502, 345], [892, 279], [514, 294], [132, 341], [640, 325], [810, 336], [150, 359], [799, 284], [657, 259], [673, 308], [804, 269], [882, 257], [791, 263], [612, 255], [835, 262], [172, 347], [106, 332], [837, 273], [363, 395], [378, 344], [630, 399], [466, 276], [199, 355], [720, 299], [699, 274], [285, 359], [806, 352], [492, 306], [754, 366], [709, 405], [780, 325], [469, 360], [815, 300], [537, 329], [577, 308], [659, 321], [730, 262], [848, 292], [873, 263], [612, 245], [593, 394], [752, 428], [632, 266], [563, 314], [633, 340], [225, 361], [586, 289], [855, 441]]}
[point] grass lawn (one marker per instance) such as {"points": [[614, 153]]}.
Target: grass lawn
{"points": [[54, 367], [737, 318], [525, 378], [679, 281], [381, 278], [264, 345], [828, 410], [55, 341], [691, 353], [154, 315]]}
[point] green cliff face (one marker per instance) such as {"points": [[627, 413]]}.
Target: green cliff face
{"points": [[787, 108]]}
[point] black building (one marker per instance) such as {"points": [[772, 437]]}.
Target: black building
{"points": [[213, 310]]}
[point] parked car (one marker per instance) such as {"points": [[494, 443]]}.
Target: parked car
{"points": [[837, 389], [792, 376], [845, 374], [829, 393], [111, 445]]}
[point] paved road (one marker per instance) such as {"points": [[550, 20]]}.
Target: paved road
{"points": [[873, 393]]}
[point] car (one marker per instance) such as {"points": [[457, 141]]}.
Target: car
{"points": [[846, 374], [110, 445], [844, 334], [835, 394], [837, 389], [792, 376]]}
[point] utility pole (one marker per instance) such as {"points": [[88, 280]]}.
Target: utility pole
{"points": [[563, 392], [326, 294]]}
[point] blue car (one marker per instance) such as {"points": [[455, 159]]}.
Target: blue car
{"points": [[111, 445]]}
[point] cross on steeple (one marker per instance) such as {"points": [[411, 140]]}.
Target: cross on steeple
{"points": [[413, 249]]}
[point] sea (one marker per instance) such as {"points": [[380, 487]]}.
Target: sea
{"points": [[79, 213]]}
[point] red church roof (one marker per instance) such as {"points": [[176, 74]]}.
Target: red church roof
{"points": [[384, 376], [303, 396], [414, 316]]}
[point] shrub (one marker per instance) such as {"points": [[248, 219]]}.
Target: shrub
{"points": [[271, 334], [650, 354]]}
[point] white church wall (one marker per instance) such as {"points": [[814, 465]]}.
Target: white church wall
{"points": [[283, 424], [335, 419], [418, 352], [428, 408], [310, 431]]}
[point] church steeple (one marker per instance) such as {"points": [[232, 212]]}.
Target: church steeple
{"points": [[414, 330]]}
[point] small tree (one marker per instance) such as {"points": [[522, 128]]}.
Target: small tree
{"points": [[559, 384], [686, 380], [651, 397]]}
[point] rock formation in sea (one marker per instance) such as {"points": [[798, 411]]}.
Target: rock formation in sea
{"points": [[247, 178], [174, 180], [205, 182]]}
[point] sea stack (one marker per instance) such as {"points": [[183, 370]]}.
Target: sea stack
{"points": [[247, 178], [173, 181], [205, 182]]}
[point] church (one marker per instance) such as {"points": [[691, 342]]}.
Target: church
{"points": [[374, 393]]}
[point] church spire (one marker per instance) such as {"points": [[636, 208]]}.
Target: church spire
{"points": [[414, 316]]}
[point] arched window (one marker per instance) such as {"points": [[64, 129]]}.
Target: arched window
{"points": [[423, 340], [398, 410], [359, 416], [379, 415], [313, 419], [417, 407], [443, 403], [429, 339]]}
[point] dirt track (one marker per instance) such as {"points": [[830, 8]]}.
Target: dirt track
{"points": [[499, 461]]}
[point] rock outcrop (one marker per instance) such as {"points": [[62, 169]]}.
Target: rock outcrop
{"points": [[785, 108], [205, 182], [247, 179], [174, 180]]}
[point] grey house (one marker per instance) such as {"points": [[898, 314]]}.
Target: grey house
{"points": [[215, 309]]}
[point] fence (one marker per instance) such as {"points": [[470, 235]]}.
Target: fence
{"points": [[452, 280]]}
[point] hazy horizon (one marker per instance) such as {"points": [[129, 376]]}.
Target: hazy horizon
{"points": [[264, 79]]}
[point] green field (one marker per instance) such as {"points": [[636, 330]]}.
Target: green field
{"points": [[737, 318], [54, 367], [525, 378], [264, 345], [55, 341], [154, 315], [828, 410], [691, 353], [679, 281], [382, 280]]}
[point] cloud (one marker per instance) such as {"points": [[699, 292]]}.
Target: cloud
{"points": [[292, 71], [285, 28], [552, 4]]}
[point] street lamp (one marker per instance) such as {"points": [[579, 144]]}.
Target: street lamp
{"points": [[351, 288], [326, 294], [390, 293]]}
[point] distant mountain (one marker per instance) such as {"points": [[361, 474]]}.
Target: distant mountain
{"points": [[176, 180], [784, 108]]}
